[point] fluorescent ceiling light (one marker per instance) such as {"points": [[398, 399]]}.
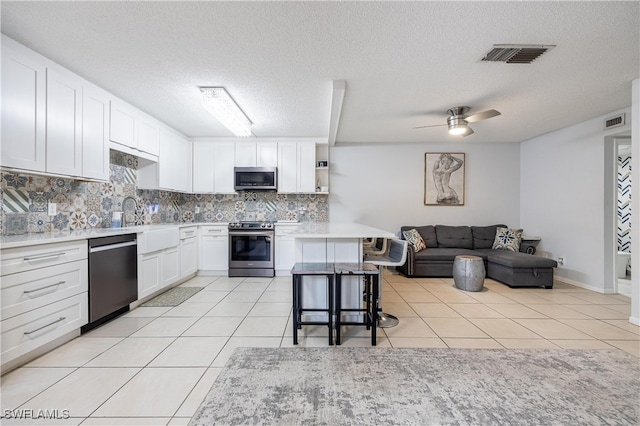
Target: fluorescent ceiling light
{"points": [[221, 105]]}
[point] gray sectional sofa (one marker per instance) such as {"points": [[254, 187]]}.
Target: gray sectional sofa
{"points": [[444, 243]]}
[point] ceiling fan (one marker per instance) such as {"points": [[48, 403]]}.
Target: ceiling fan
{"points": [[458, 120]]}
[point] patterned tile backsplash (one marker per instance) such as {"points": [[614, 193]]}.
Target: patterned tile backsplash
{"points": [[83, 205]]}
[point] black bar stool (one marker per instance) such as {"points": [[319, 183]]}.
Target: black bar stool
{"points": [[371, 288], [298, 271]]}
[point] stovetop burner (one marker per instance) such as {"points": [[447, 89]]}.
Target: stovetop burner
{"points": [[251, 225]]}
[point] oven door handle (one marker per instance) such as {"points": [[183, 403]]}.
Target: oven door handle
{"points": [[267, 234]]}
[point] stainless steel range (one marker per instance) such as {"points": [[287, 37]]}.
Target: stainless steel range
{"points": [[251, 249]]}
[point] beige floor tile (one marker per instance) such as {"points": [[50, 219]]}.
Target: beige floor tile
{"points": [[630, 346], [304, 342], [306, 330], [405, 286], [475, 310], [76, 353], [220, 286], [552, 329], [398, 309], [243, 296], [472, 343], [410, 327], [147, 311], [253, 287], [20, 385], [527, 344], [273, 309], [190, 352], [71, 421], [82, 391], [126, 421], [455, 297], [140, 396], [199, 392], [489, 296], [418, 297], [434, 310], [625, 325], [166, 327], [503, 328], [245, 342], [561, 298], [599, 312], [119, 327], [526, 298], [581, 344], [230, 309], [515, 310], [214, 326], [132, 352], [262, 327], [455, 327], [199, 281], [625, 309], [364, 342], [396, 278], [601, 330], [280, 284], [258, 280], [600, 299], [428, 281], [276, 296], [558, 312], [417, 342], [189, 309], [211, 297], [392, 296], [179, 421]]}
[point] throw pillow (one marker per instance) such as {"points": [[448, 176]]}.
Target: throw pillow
{"points": [[508, 239], [415, 239]]}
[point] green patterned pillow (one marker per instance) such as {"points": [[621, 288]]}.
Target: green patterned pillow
{"points": [[415, 239], [508, 239]]}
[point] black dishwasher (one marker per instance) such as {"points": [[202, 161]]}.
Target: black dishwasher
{"points": [[113, 277]]}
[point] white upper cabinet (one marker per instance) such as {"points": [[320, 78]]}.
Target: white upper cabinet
{"points": [[245, 154], [134, 129], [64, 123], [267, 154], [306, 172], [23, 107], [203, 170], [174, 162], [95, 133], [148, 135], [223, 168], [296, 167]]}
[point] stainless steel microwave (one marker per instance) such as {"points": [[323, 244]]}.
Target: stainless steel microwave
{"points": [[255, 178]]}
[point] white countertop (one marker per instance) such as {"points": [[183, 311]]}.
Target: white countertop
{"points": [[339, 230]]}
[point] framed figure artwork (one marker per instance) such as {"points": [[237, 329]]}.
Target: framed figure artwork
{"points": [[444, 179]]}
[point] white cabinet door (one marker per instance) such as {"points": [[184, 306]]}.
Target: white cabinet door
{"points": [[23, 108], [149, 274], [148, 135], [245, 154], [188, 257], [223, 167], [170, 265], [203, 167], [166, 160], [122, 126], [287, 167], [267, 154], [182, 164], [306, 173], [95, 133], [214, 248], [285, 247], [64, 127]]}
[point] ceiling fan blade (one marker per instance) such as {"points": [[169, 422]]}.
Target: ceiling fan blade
{"points": [[482, 115], [433, 125], [469, 132]]}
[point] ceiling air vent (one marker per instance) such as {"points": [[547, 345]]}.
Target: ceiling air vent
{"points": [[616, 121], [516, 53]]}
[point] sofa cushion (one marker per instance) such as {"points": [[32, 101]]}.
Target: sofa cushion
{"points": [[508, 239], [428, 233], [443, 254], [454, 236], [484, 236], [520, 260], [415, 239]]}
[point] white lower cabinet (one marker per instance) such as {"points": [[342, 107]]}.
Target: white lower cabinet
{"points": [[188, 251], [285, 255], [149, 274], [214, 249], [170, 265]]}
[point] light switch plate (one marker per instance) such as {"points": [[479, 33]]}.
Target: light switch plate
{"points": [[51, 209]]}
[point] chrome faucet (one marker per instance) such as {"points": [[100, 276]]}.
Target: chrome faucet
{"points": [[124, 210]]}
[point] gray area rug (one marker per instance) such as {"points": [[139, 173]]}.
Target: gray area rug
{"points": [[172, 297], [390, 386]]}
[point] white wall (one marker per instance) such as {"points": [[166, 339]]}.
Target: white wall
{"points": [[563, 197], [635, 204], [382, 185]]}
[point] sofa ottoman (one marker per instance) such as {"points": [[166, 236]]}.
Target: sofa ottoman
{"points": [[521, 269]]}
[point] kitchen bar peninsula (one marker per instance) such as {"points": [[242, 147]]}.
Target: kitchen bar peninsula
{"points": [[332, 242]]}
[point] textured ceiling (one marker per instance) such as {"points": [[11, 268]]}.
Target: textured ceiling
{"points": [[404, 63]]}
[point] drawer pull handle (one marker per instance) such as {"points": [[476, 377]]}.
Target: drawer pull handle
{"points": [[214, 230], [42, 288], [45, 326], [43, 256]]}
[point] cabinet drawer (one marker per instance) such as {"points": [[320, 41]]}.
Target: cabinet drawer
{"points": [[285, 229], [24, 333], [214, 230], [24, 259], [25, 291], [188, 232]]}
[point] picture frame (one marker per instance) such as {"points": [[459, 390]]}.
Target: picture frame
{"points": [[444, 176]]}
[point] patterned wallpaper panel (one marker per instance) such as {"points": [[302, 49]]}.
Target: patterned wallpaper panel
{"points": [[624, 203], [81, 205]]}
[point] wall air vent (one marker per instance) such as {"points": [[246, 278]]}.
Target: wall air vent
{"points": [[616, 121], [516, 53]]}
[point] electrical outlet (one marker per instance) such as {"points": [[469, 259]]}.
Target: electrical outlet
{"points": [[51, 209], [561, 260]]}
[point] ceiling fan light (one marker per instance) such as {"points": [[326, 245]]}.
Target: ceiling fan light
{"points": [[458, 130], [457, 126]]}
